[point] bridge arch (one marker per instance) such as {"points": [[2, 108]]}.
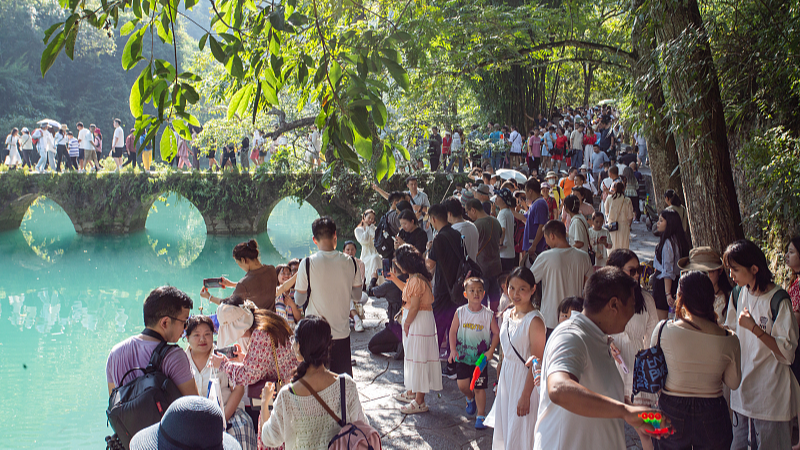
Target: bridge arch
{"points": [[11, 216]]}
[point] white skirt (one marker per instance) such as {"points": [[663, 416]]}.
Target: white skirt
{"points": [[422, 370]]}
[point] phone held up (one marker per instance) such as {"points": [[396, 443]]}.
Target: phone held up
{"points": [[229, 351], [211, 283]]}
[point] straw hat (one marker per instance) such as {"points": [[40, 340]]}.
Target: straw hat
{"points": [[704, 259]]}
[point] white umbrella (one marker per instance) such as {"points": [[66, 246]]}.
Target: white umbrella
{"points": [[50, 122], [508, 174]]}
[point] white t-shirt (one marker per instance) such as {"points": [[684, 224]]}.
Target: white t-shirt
{"points": [[768, 390], [333, 275], [119, 138], [579, 231], [579, 347], [85, 139], [516, 142], [506, 219], [563, 272], [469, 232]]}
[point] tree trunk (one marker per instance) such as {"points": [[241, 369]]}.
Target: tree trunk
{"points": [[693, 89], [649, 98], [588, 79]]}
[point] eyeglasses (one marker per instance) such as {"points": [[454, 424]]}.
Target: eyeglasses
{"points": [[633, 272], [185, 322]]}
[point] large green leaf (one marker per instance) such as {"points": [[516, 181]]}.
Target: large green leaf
{"points": [[359, 117], [169, 145], [397, 72], [382, 167], [132, 53], [135, 100], [217, 51], [241, 97], [363, 147], [336, 72], [50, 53]]}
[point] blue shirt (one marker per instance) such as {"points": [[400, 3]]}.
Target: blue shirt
{"points": [[597, 160], [538, 215]]}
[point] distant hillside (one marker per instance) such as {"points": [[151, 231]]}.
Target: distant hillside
{"points": [[201, 14]]}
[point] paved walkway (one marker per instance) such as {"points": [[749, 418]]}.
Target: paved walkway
{"points": [[446, 426]]}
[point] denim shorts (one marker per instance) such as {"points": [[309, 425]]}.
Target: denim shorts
{"points": [[698, 422]]}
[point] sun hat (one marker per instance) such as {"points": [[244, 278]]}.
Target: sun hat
{"points": [[233, 322], [704, 259], [484, 189], [24, 129], [550, 174], [190, 422], [584, 167], [505, 195]]}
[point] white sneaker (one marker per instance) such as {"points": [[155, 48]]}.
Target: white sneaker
{"points": [[358, 325]]}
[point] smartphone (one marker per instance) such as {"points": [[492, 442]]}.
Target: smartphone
{"points": [[380, 272], [387, 266], [212, 283], [229, 351]]}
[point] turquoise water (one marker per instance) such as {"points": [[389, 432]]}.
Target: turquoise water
{"points": [[66, 299]]}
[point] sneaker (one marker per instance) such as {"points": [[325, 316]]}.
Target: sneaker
{"points": [[479, 423], [358, 324], [471, 407], [450, 371]]}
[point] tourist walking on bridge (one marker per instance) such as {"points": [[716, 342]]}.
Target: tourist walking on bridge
{"points": [[12, 149]]}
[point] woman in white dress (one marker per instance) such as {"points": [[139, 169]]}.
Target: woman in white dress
{"points": [[619, 209], [365, 235], [636, 336], [14, 158], [522, 337]]}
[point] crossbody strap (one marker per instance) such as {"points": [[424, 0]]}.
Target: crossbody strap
{"points": [[321, 402], [588, 238], [343, 399], [508, 333]]}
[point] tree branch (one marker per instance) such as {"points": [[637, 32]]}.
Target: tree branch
{"points": [[281, 115], [286, 127]]}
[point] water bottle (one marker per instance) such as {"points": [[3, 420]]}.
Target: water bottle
{"points": [[537, 372], [671, 314]]}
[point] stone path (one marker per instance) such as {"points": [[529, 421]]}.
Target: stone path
{"points": [[446, 426]]}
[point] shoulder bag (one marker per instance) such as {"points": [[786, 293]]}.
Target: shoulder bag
{"points": [[650, 368]]}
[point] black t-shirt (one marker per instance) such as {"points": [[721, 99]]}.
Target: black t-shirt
{"points": [[418, 238], [627, 158], [443, 251], [435, 145]]}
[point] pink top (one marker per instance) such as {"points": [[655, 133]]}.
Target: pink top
{"points": [[416, 286], [259, 363], [534, 146]]}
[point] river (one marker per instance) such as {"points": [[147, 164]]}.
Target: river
{"points": [[66, 299]]}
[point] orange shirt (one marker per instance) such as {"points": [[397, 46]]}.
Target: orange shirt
{"points": [[567, 185]]}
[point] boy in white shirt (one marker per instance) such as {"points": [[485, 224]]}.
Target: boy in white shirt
{"points": [[600, 239]]}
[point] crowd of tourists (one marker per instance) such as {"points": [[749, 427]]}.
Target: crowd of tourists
{"points": [[531, 284]]}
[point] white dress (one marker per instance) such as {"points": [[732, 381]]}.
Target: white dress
{"points": [[510, 430], [369, 255], [13, 152], [422, 371]]}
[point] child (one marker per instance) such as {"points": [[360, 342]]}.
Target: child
{"points": [[513, 414], [472, 333], [760, 313], [600, 239], [356, 309], [568, 305], [284, 302]]}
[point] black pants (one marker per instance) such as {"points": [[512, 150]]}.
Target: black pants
{"points": [[73, 162], [701, 423], [635, 203], [509, 263], [27, 158], [228, 156], [659, 295], [61, 155], [385, 341], [340, 356], [434, 164], [131, 159]]}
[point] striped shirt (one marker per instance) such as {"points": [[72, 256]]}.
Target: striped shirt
{"points": [[73, 148]]}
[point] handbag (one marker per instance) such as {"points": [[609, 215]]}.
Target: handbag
{"points": [[650, 368], [612, 226], [592, 253], [254, 390]]}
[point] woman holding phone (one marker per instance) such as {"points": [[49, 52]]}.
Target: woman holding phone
{"points": [[259, 282]]}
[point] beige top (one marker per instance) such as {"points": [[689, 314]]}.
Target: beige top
{"points": [[698, 363]]}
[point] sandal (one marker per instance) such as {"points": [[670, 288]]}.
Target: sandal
{"points": [[404, 397], [414, 408]]}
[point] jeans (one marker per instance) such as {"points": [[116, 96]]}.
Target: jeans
{"points": [[700, 423], [42, 159], [61, 155], [340, 356], [453, 159], [643, 152], [497, 160], [577, 159], [228, 156], [762, 434]]}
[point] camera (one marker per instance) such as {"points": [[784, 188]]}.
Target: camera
{"points": [[229, 351]]}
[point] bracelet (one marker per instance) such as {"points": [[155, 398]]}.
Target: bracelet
{"points": [[753, 329]]}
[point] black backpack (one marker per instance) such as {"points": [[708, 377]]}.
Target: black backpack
{"points": [[143, 401], [384, 243], [467, 268]]}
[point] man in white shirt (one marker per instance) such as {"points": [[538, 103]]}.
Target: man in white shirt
{"points": [[84, 144], [641, 142], [118, 143], [315, 145], [468, 230], [328, 280], [576, 144], [504, 201], [562, 270], [515, 139], [44, 145], [581, 404]]}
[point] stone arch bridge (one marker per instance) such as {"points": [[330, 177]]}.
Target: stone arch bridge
{"points": [[231, 203]]}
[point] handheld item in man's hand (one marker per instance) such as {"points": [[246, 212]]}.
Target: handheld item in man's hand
{"points": [[212, 283]]}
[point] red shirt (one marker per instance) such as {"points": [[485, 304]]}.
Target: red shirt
{"points": [[447, 141]]}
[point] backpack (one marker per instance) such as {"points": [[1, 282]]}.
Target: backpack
{"points": [[384, 243], [357, 435], [467, 268], [142, 402]]}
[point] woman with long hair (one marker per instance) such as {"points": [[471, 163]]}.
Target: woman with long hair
{"points": [[708, 261], [421, 369], [269, 354], [365, 235], [636, 336], [619, 210], [701, 356], [200, 336], [259, 282], [298, 420], [672, 246], [522, 337], [12, 140], [674, 203]]}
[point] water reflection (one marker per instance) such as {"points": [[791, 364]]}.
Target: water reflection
{"points": [[287, 236], [176, 230]]}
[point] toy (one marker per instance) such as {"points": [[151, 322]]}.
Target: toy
{"points": [[655, 419], [479, 366]]}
